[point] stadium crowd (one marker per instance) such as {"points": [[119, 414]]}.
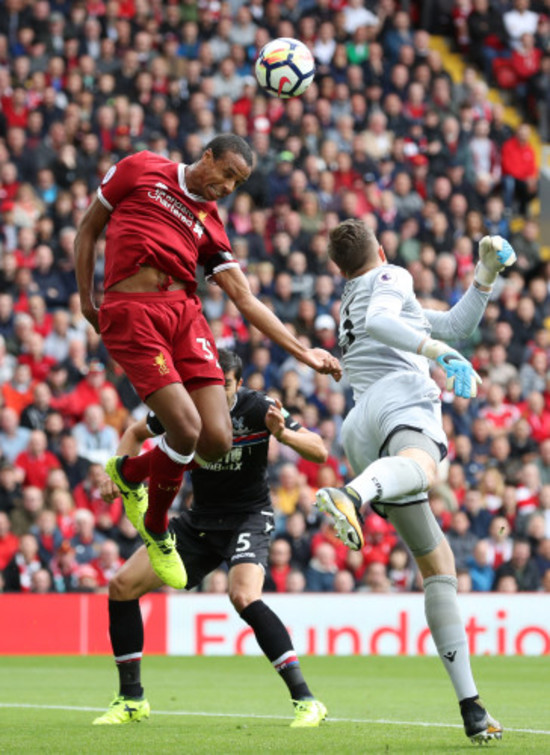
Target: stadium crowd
{"points": [[383, 134]]}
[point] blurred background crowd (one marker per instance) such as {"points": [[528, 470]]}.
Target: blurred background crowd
{"points": [[385, 133]]}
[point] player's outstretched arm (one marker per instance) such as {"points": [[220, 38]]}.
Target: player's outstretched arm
{"points": [[461, 376], [92, 224], [309, 445], [495, 254], [235, 285]]}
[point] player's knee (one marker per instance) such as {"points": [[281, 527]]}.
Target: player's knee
{"points": [[189, 429], [216, 442], [439, 562], [240, 599], [122, 588]]}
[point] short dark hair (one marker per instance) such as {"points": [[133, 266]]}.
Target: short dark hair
{"points": [[351, 245], [219, 145], [230, 362]]}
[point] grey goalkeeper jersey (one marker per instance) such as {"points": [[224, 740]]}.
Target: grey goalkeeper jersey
{"points": [[382, 325]]}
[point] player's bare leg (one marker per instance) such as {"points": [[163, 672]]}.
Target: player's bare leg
{"points": [[134, 579], [181, 415], [216, 434], [245, 593]]}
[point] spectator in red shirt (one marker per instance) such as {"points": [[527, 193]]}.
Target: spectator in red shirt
{"points": [[315, 473], [87, 495], [538, 417], [26, 562], [499, 542], [43, 320], [15, 108], [500, 416], [457, 482], [39, 363], [107, 563], [439, 508], [18, 393], [380, 538], [25, 253], [326, 534], [36, 461], [519, 169], [526, 60], [279, 566], [528, 491], [9, 543], [87, 392]]}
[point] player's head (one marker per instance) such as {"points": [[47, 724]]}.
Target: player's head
{"points": [[232, 368], [225, 164], [354, 247]]}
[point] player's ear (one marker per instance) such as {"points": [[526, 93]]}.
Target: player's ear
{"points": [[240, 384], [382, 254]]}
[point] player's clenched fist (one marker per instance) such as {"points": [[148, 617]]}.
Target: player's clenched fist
{"points": [[322, 361], [108, 490]]}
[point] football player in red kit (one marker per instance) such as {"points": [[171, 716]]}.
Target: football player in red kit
{"points": [[163, 221]]}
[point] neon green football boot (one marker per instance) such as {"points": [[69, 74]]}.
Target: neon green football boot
{"points": [[124, 710], [134, 494], [164, 558], [308, 713]]}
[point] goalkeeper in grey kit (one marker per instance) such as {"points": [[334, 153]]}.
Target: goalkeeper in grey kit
{"points": [[393, 436]]}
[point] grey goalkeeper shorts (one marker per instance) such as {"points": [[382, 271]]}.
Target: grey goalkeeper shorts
{"points": [[398, 400]]}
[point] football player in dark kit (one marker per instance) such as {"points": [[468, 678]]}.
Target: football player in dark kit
{"points": [[230, 521]]}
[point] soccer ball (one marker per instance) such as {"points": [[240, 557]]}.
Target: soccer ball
{"points": [[285, 67]]}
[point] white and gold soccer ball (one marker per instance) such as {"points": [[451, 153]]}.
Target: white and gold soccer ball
{"points": [[285, 67]]}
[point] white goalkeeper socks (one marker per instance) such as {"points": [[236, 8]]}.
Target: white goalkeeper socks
{"points": [[389, 479], [449, 635]]}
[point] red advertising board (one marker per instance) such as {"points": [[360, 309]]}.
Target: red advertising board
{"points": [[74, 624]]}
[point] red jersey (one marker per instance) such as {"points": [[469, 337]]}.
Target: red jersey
{"points": [[157, 221], [501, 417], [37, 468]]}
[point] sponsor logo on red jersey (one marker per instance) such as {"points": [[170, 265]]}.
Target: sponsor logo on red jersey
{"points": [[177, 208]]}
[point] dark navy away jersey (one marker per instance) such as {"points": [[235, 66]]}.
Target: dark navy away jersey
{"points": [[237, 483]]}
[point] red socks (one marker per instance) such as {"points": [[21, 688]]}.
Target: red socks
{"points": [[165, 480], [135, 469]]}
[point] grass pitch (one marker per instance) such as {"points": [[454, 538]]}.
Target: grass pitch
{"points": [[238, 705]]}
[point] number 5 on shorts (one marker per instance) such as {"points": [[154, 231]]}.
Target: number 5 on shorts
{"points": [[243, 542]]}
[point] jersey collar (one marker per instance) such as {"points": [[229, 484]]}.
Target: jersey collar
{"points": [[183, 185]]}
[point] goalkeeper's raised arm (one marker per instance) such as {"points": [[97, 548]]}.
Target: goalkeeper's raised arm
{"points": [[495, 254]]}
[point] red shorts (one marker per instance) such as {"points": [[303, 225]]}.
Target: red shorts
{"points": [[158, 339]]}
